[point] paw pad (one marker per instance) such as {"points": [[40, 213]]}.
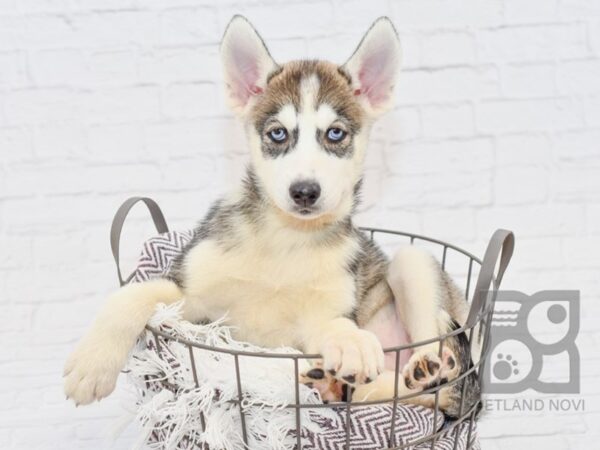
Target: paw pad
{"points": [[451, 362], [350, 378], [505, 367], [426, 369], [316, 374], [432, 366]]}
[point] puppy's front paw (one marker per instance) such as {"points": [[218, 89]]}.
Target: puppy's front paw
{"points": [[354, 356], [91, 371]]}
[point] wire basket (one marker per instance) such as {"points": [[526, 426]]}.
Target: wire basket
{"points": [[480, 279]]}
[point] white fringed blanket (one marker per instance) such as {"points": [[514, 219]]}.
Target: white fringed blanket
{"points": [[181, 401], [185, 405]]}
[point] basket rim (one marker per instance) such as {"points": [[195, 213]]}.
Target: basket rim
{"points": [[395, 349], [421, 237]]}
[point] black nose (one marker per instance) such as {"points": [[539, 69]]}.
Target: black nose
{"points": [[305, 193]]}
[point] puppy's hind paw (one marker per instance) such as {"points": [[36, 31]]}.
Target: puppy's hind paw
{"points": [[425, 369], [422, 370]]}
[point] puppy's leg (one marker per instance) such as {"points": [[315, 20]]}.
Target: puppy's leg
{"points": [[92, 369], [415, 279], [333, 390], [383, 389]]}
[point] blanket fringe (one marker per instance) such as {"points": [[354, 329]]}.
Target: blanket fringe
{"points": [[175, 413]]}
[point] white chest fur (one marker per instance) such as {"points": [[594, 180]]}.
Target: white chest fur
{"points": [[272, 285]]}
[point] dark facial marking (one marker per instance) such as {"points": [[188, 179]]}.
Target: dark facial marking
{"points": [[274, 149], [283, 88], [336, 91], [341, 149]]}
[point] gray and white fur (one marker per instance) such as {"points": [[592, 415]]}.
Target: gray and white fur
{"points": [[280, 255]]}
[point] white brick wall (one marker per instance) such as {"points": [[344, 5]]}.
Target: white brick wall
{"points": [[497, 125]]}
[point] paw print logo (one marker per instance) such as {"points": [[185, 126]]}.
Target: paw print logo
{"points": [[526, 331], [511, 362], [505, 367]]}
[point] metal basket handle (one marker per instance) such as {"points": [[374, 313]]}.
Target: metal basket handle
{"points": [[117, 226], [499, 250]]}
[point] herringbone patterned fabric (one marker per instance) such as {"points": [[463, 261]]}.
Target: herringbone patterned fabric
{"points": [[158, 253], [370, 426]]}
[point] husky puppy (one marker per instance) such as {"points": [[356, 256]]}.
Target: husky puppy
{"points": [[281, 256]]}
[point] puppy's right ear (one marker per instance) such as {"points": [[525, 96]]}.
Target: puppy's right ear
{"points": [[246, 62]]}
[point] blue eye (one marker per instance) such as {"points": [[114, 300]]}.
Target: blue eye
{"points": [[278, 134], [335, 134]]}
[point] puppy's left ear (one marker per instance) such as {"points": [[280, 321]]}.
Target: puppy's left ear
{"points": [[246, 63], [374, 66]]}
